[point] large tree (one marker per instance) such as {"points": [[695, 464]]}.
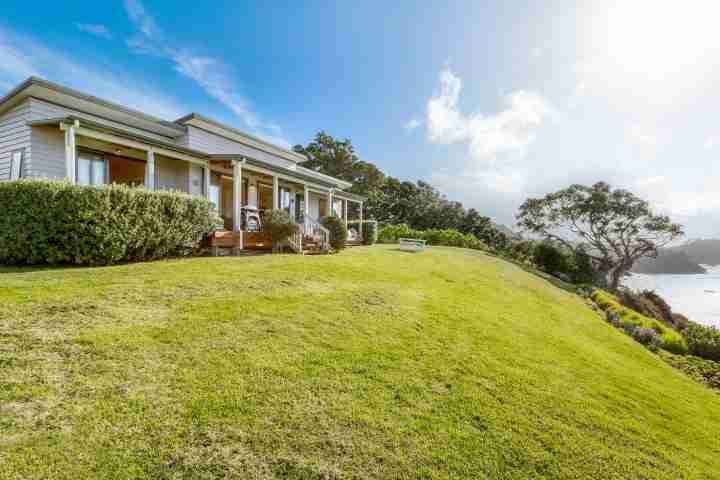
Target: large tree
{"points": [[337, 158], [614, 226]]}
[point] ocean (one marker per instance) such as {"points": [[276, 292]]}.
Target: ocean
{"points": [[695, 296]]}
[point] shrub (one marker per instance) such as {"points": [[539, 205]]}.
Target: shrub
{"points": [[703, 341], [551, 259], [445, 237], [370, 233], [680, 321], [623, 317], [640, 304], [338, 231], [660, 304], [583, 271], [647, 336], [391, 233], [701, 370], [51, 222], [280, 225]]}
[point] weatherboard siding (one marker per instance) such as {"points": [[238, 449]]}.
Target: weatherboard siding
{"points": [[199, 139], [48, 148], [14, 136]]}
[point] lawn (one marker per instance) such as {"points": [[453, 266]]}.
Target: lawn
{"points": [[373, 363]]}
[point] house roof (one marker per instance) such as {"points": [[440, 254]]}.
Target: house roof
{"points": [[98, 108], [54, 93], [236, 135], [295, 172]]}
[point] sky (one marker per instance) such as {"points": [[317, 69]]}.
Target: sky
{"points": [[491, 102]]}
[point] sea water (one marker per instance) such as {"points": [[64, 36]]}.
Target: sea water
{"points": [[696, 296]]}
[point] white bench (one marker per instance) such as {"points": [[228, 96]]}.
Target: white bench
{"points": [[411, 245]]}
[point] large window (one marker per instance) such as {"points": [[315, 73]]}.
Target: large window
{"points": [[91, 169]]}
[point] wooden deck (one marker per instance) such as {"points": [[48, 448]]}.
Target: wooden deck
{"points": [[252, 240]]}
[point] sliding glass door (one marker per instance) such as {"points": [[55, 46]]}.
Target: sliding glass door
{"points": [[91, 168]]}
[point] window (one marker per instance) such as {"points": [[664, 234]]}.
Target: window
{"points": [[286, 199], [337, 208], [16, 160], [215, 191], [91, 169]]}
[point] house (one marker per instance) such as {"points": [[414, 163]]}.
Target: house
{"points": [[51, 131]]}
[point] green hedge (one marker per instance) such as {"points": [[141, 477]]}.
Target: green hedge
{"points": [[448, 238], [51, 222], [338, 231]]}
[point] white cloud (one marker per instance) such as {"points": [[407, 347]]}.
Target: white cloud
{"points": [[412, 124], [213, 75], [95, 29], [504, 135], [22, 56], [642, 135], [650, 181], [711, 142], [511, 130]]}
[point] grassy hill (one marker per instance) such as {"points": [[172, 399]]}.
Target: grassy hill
{"points": [[369, 364]]}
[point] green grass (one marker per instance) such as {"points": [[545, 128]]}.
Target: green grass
{"points": [[672, 340], [368, 364]]}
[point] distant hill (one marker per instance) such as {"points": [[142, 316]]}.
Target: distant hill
{"points": [[704, 252], [686, 258], [669, 261]]}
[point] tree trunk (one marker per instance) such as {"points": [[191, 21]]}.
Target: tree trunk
{"points": [[616, 275]]}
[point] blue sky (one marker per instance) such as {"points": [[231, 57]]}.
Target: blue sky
{"points": [[489, 101]]}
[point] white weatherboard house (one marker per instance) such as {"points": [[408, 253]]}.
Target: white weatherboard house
{"points": [[50, 131]]}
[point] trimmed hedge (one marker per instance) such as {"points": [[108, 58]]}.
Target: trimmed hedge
{"points": [[52, 222], [338, 231], [448, 238]]}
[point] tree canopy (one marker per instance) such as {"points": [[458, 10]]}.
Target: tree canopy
{"points": [[615, 227]]}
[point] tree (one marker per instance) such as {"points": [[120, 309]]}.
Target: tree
{"points": [[337, 158], [614, 227]]}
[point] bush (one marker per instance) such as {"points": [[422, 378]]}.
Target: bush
{"points": [[280, 225], [647, 336], [583, 271], [51, 222], [370, 233], [701, 370], [551, 259], [660, 304], [446, 237], [338, 231], [391, 233], [703, 341], [625, 318]]}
